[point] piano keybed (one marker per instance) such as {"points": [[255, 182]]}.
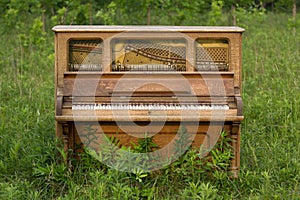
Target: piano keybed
{"points": [[147, 112], [151, 106]]}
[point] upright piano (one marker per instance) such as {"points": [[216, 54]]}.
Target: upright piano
{"points": [[132, 82]]}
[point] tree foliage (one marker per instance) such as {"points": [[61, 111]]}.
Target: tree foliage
{"points": [[27, 15]]}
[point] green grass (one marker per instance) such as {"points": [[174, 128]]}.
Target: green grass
{"points": [[270, 161], [270, 145]]}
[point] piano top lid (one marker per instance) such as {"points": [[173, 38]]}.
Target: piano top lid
{"points": [[99, 28]]}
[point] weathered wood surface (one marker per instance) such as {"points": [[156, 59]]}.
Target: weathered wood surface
{"points": [[139, 84], [87, 28], [187, 86]]}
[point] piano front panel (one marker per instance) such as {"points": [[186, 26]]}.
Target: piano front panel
{"points": [[202, 134], [92, 133]]}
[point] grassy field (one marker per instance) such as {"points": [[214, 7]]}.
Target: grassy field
{"points": [[270, 146]]}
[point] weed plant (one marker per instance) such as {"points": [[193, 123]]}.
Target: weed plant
{"points": [[30, 168]]}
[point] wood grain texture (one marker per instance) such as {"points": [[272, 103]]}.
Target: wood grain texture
{"points": [[194, 84], [87, 28], [189, 85]]}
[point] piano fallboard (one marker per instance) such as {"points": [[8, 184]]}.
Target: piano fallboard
{"points": [[148, 84]]}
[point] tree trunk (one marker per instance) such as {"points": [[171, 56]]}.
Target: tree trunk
{"points": [[148, 16], [294, 15], [90, 13], [43, 18], [233, 9]]}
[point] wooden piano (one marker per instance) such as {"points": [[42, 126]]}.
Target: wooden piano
{"points": [[124, 81]]}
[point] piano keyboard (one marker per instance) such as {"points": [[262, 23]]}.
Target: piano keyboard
{"points": [[155, 106]]}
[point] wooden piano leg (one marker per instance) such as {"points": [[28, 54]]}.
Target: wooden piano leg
{"points": [[65, 132], [65, 137], [235, 136], [68, 141]]}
